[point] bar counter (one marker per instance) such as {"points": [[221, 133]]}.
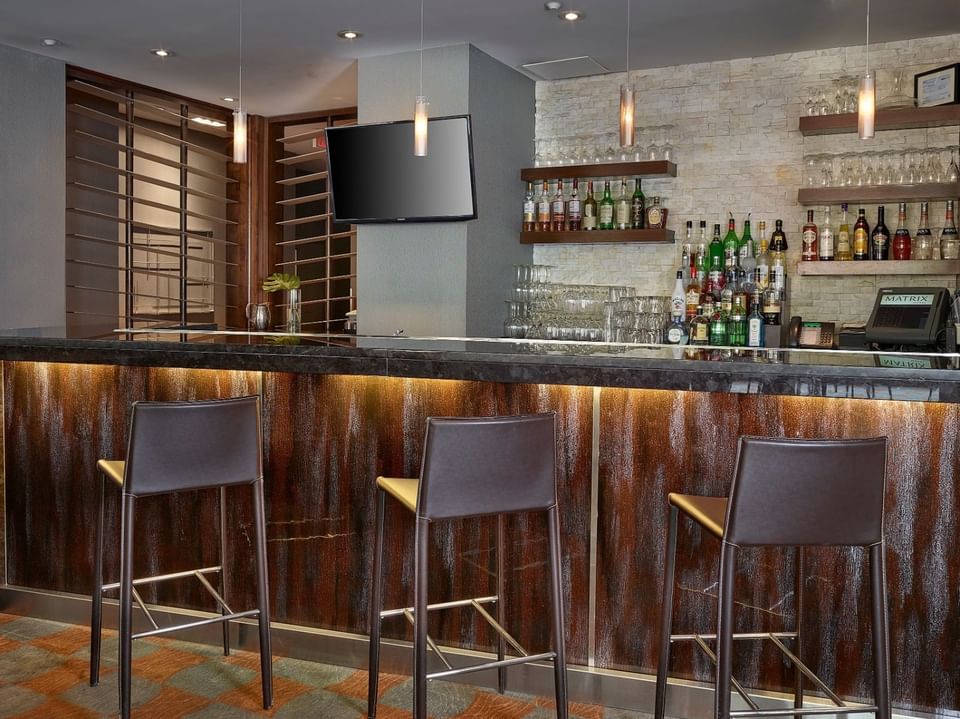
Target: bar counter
{"points": [[634, 424]]}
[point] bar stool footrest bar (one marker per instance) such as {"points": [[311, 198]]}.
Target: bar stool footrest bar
{"points": [[803, 710], [143, 607], [743, 635], [807, 672], [493, 665], [736, 685], [430, 643], [499, 629], [164, 577], [198, 623], [442, 605]]}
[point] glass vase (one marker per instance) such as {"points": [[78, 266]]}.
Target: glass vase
{"points": [[293, 311]]}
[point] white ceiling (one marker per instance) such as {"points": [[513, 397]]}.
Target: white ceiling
{"points": [[294, 62]]}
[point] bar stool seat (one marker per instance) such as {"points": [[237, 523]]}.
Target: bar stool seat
{"points": [[786, 493], [472, 467], [178, 447]]}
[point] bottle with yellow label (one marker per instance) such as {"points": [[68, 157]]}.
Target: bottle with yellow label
{"points": [[843, 251], [861, 237]]}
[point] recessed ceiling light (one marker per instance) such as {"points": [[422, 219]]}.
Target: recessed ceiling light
{"points": [[162, 52], [349, 34], [571, 15], [229, 99], [208, 121], [552, 5], [51, 42]]}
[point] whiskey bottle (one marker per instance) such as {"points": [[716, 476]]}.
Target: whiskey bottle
{"points": [[901, 238], [700, 328], [844, 251], [606, 208], [590, 209], [861, 237], [949, 241], [529, 210], [621, 211], [693, 291], [558, 215], [637, 212], [923, 247], [574, 211], [810, 251], [880, 240], [656, 215], [771, 306], [543, 209], [826, 251]]}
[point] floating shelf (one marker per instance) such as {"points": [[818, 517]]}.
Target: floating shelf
{"points": [[907, 118], [878, 193], [873, 267], [595, 237], [658, 168]]}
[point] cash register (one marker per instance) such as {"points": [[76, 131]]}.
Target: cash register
{"points": [[911, 319]]}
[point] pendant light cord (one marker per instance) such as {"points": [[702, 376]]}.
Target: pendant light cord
{"points": [[868, 36], [421, 48], [240, 64], [627, 78]]}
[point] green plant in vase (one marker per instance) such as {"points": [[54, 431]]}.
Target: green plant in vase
{"points": [[280, 281]]}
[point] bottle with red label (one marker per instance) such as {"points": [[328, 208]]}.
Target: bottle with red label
{"points": [[901, 238], [810, 252]]}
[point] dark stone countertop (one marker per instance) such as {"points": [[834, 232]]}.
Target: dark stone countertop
{"points": [[911, 377]]}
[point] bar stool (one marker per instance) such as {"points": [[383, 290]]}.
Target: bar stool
{"points": [[472, 467], [787, 492], [179, 447]]}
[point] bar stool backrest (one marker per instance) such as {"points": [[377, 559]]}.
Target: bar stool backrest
{"points": [[177, 446], [488, 465], [807, 492]]}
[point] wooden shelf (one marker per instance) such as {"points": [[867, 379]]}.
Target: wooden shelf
{"points": [[878, 193], [659, 168], [873, 267], [903, 119], [595, 237]]}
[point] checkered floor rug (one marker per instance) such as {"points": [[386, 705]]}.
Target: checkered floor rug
{"points": [[44, 675]]}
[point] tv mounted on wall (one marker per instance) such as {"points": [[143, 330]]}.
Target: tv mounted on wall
{"points": [[375, 177]]}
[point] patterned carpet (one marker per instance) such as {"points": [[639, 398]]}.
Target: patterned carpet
{"points": [[44, 675]]}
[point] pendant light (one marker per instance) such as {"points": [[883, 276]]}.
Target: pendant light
{"points": [[627, 103], [420, 113], [867, 100], [239, 116]]}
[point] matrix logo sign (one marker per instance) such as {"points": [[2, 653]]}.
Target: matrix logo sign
{"points": [[907, 299], [905, 362]]}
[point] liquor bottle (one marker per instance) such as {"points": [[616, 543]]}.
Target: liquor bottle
{"points": [[809, 252], [737, 328], [686, 253], [748, 260], [718, 329], [701, 259], [621, 211], [923, 247], [677, 332], [949, 241], [861, 237], [574, 210], [678, 300], [656, 215], [716, 248], [715, 277], [761, 275], [901, 238], [778, 240], [755, 325], [826, 249], [693, 290], [637, 213], [529, 210], [771, 306], [558, 215], [844, 251], [700, 328], [606, 208], [590, 209], [880, 240], [730, 243], [543, 209]]}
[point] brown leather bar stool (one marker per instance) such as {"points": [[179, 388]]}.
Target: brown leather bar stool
{"points": [[472, 467], [180, 447], [787, 492]]}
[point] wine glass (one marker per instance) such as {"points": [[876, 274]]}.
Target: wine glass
{"points": [[953, 171], [667, 150]]}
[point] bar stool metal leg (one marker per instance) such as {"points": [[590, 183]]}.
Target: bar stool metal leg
{"points": [[263, 595], [96, 608], [420, 619], [126, 603], [881, 638], [556, 599], [223, 569], [376, 605], [798, 642], [501, 606], [666, 616], [728, 555]]}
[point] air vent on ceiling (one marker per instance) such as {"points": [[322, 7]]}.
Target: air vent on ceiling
{"points": [[567, 68]]}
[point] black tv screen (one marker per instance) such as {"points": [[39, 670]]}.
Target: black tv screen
{"points": [[375, 177]]}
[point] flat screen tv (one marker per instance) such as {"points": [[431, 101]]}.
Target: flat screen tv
{"points": [[375, 177]]}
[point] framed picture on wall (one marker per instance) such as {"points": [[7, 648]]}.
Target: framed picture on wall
{"points": [[937, 87]]}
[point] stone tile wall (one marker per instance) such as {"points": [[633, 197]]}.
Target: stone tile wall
{"points": [[739, 150]]}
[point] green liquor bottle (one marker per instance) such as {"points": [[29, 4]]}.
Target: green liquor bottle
{"points": [[606, 208]]}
